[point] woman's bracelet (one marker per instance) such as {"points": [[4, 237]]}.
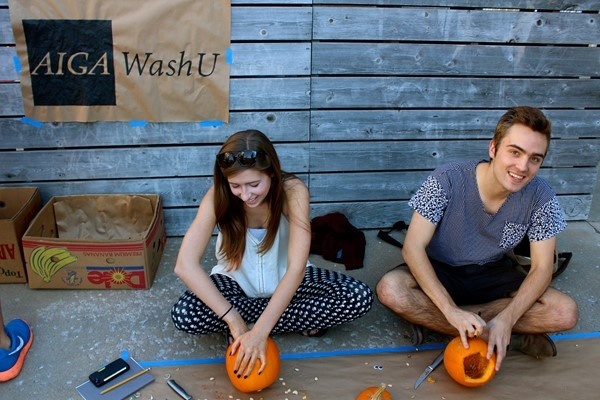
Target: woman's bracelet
{"points": [[226, 312]]}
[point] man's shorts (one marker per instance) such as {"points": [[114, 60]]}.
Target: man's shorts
{"points": [[479, 284]]}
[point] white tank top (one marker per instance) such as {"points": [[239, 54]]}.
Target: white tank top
{"points": [[259, 274]]}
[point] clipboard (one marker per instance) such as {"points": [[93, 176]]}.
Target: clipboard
{"points": [[88, 391]]}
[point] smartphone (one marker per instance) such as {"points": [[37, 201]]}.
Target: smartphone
{"points": [[109, 372]]}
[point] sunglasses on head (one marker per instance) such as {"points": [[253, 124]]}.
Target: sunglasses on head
{"points": [[247, 158]]}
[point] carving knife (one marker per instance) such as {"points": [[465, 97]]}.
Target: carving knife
{"points": [[438, 360], [179, 390]]}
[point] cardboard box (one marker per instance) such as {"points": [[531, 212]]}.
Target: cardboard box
{"points": [[18, 206], [112, 241]]}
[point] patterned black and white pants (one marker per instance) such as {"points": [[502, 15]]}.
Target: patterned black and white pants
{"points": [[324, 299]]}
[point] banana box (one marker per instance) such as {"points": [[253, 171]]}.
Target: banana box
{"points": [[18, 206], [107, 241]]}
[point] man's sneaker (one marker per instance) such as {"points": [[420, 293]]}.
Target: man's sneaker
{"points": [[11, 361], [535, 345]]}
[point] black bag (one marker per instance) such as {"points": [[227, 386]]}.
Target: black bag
{"points": [[384, 234], [522, 257]]}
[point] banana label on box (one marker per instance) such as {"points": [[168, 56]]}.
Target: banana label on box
{"points": [[46, 262]]}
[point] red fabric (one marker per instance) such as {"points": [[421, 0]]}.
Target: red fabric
{"points": [[337, 240]]}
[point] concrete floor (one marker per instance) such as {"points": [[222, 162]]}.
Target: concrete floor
{"points": [[78, 331]]}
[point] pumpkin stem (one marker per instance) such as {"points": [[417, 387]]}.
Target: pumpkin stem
{"points": [[378, 392]]}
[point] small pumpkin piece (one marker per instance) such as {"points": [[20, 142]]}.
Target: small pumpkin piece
{"points": [[469, 367], [375, 393]]}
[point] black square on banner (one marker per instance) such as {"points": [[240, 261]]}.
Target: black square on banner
{"points": [[71, 62]]}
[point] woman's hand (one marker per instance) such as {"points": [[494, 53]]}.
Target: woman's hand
{"points": [[251, 348]]}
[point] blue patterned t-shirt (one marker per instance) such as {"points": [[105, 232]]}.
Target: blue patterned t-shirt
{"points": [[467, 234]]}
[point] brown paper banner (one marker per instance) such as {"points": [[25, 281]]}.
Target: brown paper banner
{"points": [[115, 60]]}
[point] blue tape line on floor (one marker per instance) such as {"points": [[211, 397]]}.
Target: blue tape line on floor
{"points": [[569, 336], [179, 363], [333, 353]]}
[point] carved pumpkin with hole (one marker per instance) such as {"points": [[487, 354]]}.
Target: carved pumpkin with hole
{"points": [[375, 393], [255, 382], [469, 367]]}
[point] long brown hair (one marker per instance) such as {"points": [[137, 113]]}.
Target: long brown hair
{"points": [[229, 210]]}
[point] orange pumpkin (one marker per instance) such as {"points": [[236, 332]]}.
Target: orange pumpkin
{"points": [[469, 367], [375, 393], [255, 382]]}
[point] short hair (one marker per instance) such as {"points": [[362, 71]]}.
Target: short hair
{"points": [[531, 117]]}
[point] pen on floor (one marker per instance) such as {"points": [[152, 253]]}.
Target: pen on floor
{"points": [[124, 381]]}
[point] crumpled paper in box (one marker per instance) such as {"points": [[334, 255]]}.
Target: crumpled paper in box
{"points": [[103, 217]]}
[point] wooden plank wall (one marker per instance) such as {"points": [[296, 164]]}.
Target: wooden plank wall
{"points": [[362, 97]]}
